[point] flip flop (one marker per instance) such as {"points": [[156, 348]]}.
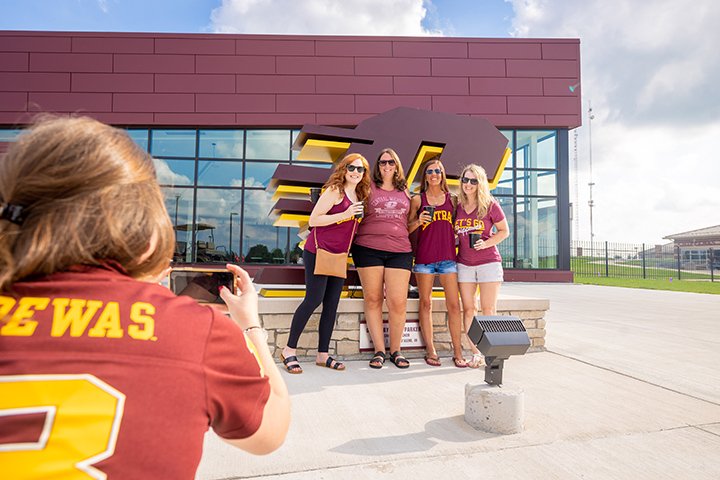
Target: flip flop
{"points": [[398, 360], [294, 368], [460, 362], [433, 361], [378, 360], [332, 364]]}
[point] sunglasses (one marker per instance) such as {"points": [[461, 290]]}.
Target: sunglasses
{"points": [[352, 168], [430, 171], [471, 181], [386, 162]]}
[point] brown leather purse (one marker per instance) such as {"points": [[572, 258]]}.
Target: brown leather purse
{"points": [[332, 264]]}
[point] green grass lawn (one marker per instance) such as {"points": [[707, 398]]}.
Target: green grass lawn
{"points": [[585, 266], [655, 284]]}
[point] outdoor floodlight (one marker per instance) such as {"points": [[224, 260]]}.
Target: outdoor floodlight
{"points": [[497, 337]]}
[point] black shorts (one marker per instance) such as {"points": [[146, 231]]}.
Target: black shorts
{"points": [[369, 257]]}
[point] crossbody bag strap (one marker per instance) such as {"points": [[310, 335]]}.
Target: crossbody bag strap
{"points": [[355, 222]]}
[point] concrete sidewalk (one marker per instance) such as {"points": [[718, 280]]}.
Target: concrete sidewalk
{"points": [[629, 388]]}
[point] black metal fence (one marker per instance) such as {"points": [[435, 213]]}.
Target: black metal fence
{"points": [[640, 260]]}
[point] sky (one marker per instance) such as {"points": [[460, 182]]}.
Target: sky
{"points": [[649, 72]]}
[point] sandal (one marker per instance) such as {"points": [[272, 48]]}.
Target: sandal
{"points": [[460, 362], [378, 360], [295, 368], [332, 364], [398, 360], [477, 361], [432, 360]]}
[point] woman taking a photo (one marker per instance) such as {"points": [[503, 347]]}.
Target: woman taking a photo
{"points": [[479, 263], [383, 256], [333, 222], [435, 255]]}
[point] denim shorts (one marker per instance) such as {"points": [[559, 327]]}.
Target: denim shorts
{"points": [[442, 267]]}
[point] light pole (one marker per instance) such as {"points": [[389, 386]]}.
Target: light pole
{"points": [[591, 203], [230, 248]]}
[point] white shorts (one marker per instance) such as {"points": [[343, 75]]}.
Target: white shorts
{"points": [[488, 272]]}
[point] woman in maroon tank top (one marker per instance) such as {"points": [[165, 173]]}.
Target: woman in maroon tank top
{"points": [[435, 254]]}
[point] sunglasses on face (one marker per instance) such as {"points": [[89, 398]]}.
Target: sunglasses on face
{"points": [[471, 181], [352, 168], [430, 171], [386, 162]]}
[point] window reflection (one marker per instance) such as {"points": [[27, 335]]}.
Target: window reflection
{"points": [[179, 202], [221, 143], [173, 143], [262, 243], [268, 145], [217, 224], [534, 182], [174, 172], [217, 173], [536, 233], [259, 174], [9, 135], [140, 137], [536, 149], [507, 247]]}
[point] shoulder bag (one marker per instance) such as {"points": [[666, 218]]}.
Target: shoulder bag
{"points": [[332, 264]]}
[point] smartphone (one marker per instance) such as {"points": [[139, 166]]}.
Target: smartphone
{"points": [[201, 284]]}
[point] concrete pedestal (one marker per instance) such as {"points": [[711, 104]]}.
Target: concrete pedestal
{"points": [[495, 409]]}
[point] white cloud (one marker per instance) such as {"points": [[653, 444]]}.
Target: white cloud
{"points": [[649, 69], [320, 17]]}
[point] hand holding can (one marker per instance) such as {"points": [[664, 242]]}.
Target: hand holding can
{"points": [[473, 239], [430, 210], [359, 210]]}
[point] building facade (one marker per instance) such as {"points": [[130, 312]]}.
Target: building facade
{"points": [[219, 113]]}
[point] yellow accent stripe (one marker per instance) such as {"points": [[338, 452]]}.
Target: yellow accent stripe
{"points": [[300, 292], [500, 169], [322, 150], [426, 151], [293, 220], [290, 191]]}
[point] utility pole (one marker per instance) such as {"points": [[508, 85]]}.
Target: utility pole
{"points": [[591, 184]]}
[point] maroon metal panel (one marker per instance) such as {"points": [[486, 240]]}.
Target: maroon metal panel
{"points": [[392, 66], [112, 82], [504, 50], [354, 48], [13, 101], [220, 102], [561, 121], [543, 68], [515, 121], [542, 105], [278, 46], [468, 68], [198, 119], [14, 62], [20, 118], [117, 118], [71, 62], [129, 63], [153, 102], [506, 86], [34, 82], [468, 104], [561, 86], [275, 119], [196, 46], [427, 48], [315, 103], [382, 103], [352, 84], [275, 84], [70, 102], [234, 64], [341, 119], [315, 65], [561, 51], [104, 44], [183, 83], [432, 85], [32, 42]]}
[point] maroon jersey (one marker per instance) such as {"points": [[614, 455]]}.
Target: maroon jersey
{"points": [[468, 222], [336, 237], [385, 224], [436, 240], [103, 376]]}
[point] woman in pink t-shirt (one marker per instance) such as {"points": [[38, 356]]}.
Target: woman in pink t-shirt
{"points": [[478, 262], [383, 256], [435, 255]]}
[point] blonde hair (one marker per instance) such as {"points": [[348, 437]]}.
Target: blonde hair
{"points": [[423, 169], [483, 197], [89, 195], [399, 181], [337, 178]]}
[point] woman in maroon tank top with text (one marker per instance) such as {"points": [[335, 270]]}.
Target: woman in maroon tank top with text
{"points": [[435, 255]]}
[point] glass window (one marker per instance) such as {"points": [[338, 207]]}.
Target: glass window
{"points": [[9, 135], [295, 253], [315, 164], [179, 202], [174, 172], [505, 185], [536, 149], [536, 233], [509, 135], [259, 174], [173, 143], [262, 243], [268, 145], [140, 137], [217, 224], [533, 182], [221, 143], [294, 153], [507, 247], [225, 174]]}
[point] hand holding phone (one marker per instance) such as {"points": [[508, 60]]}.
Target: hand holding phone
{"points": [[203, 285]]}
